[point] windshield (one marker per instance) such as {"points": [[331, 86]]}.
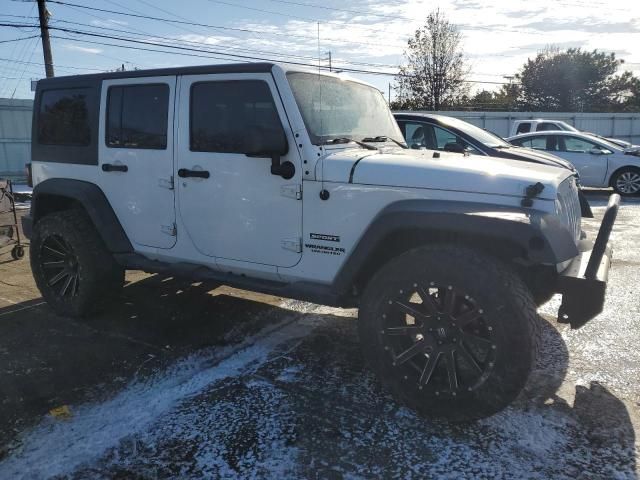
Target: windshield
{"points": [[486, 138], [336, 108], [567, 127]]}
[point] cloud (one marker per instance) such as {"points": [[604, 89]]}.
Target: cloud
{"points": [[110, 22], [78, 48], [589, 24]]}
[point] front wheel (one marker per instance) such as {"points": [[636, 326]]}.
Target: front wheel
{"points": [[626, 182], [452, 332]]}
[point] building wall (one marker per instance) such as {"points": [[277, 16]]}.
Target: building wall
{"points": [[15, 136], [15, 128], [625, 126]]}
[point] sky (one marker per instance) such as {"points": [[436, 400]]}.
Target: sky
{"points": [[497, 36]]}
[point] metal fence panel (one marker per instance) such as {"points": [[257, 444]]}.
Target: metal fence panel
{"points": [[15, 136], [625, 126]]}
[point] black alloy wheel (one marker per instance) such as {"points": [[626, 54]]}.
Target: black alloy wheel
{"points": [[438, 339], [451, 331], [73, 269], [60, 266]]}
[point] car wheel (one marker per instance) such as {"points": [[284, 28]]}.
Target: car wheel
{"points": [[72, 268], [453, 333], [626, 182]]}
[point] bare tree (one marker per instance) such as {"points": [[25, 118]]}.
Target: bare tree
{"points": [[435, 70]]}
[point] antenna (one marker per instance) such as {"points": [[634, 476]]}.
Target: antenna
{"points": [[324, 195], [319, 59]]}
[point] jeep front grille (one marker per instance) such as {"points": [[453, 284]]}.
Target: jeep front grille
{"points": [[568, 206]]}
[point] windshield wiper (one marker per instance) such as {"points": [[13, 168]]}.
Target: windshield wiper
{"points": [[503, 146], [335, 141], [381, 138]]}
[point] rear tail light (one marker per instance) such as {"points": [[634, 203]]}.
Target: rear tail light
{"points": [[27, 171]]}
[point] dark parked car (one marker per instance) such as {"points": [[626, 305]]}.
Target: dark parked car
{"points": [[439, 132]]}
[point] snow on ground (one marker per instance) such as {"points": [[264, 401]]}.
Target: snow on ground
{"points": [[296, 401]]}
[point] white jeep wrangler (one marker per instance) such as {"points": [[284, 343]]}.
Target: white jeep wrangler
{"points": [[298, 184]]}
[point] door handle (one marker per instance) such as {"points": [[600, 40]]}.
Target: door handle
{"points": [[108, 167], [185, 173]]}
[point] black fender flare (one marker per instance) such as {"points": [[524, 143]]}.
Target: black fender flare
{"points": [[543, 238], [94, 202]]}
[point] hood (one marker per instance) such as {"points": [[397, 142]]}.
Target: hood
{"points": [[618, 142], [528, 154], [455, 172], [633, 150]]}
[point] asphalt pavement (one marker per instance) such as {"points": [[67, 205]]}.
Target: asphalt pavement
{"points": [[181, 380]]}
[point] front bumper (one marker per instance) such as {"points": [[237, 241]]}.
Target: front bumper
{"points": [[583, 284]]}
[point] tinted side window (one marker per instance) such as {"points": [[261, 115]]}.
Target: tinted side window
{"points": [[546, 126], [63, 117], [414, 134], [539, 143], [523, 128], [444, 137], [578, 145], [222, 113], [137, 116]]}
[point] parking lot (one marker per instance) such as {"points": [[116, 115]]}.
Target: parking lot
{"points": [[181, 380]]}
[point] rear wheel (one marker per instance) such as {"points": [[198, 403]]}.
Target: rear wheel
{"points": [[626, 182], [452, 332], [72, 268]]}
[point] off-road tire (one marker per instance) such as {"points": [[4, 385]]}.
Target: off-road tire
{"points": [[98, 278], [502, 337]]}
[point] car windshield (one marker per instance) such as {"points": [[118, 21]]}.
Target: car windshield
{"points": [[486, 138], [336, 108], [567, 127]]}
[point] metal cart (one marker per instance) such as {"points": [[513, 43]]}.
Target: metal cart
{"points": [[9, 232]]}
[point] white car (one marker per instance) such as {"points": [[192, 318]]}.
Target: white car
{"points": [[600, 163], [542, 125], [289, 182]]}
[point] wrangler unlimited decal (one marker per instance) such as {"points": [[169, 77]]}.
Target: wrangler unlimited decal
{"points": [[325, 249]]}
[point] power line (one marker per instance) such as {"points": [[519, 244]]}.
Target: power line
{"points": [[397, 17], [224, 54], [245, 58], [247, 50], [218, 27], [33, 50], [18, 39]]}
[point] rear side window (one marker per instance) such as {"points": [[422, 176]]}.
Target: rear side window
{"points": [[223, 112], [63, 117], [539, 143], [546, 126], [523, 128], [137, 116]]}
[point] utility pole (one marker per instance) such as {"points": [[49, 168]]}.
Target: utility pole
{"points": [[389, 93], [43, 14]]}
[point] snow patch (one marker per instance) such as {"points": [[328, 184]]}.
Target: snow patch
{"points": [[58, 448]]}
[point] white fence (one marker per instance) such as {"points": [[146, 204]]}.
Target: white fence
{"points": [[625, 126], [15, 136]]}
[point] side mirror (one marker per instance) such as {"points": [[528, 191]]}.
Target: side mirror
{"points": [[596, 151], [454, 147], [269, 143]]}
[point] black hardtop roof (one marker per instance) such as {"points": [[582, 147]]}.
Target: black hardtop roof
{"points": [[158, 72]]}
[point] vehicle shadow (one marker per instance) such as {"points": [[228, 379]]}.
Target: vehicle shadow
{"points": [[337, 415], [47, 361]]}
